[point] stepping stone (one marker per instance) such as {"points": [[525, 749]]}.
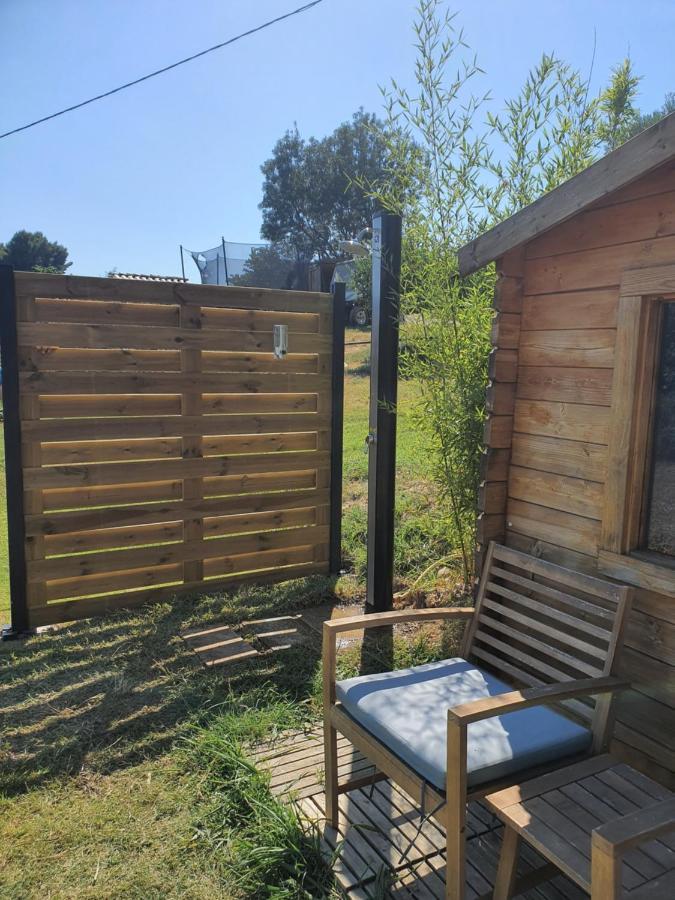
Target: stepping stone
{"points": [[217, 645], [279, 632]]}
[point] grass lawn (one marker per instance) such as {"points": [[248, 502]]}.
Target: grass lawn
{"points": [[419, 535], [122, 761]]}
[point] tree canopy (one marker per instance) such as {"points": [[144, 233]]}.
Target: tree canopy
{"points": [[31, 251], [313, 193], [641, 120], [270, 266]]}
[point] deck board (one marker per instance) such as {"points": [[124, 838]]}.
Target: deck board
{"points": [[380, 830]]}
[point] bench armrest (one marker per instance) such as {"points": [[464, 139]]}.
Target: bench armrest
{"points": [[609, 842], [514, 700], [647, 824], [397, 617]]}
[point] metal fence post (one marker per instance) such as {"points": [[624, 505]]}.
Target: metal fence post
{"points": [[386, 263], [337, 419], [13, 466], [227, 277]]}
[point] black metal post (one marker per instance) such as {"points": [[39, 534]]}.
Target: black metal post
{"points": [[13, 467], [182, 261], [337, 419], [386, 262], [227, 277]]}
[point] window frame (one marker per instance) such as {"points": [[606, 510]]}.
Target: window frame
{"points": [[621, 553]]}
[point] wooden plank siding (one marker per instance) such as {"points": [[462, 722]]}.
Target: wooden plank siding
{"points": [[558, 444], [501, 401], [165, 448]]}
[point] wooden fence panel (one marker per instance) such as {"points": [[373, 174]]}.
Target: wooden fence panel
{"points": [[164, 448]]}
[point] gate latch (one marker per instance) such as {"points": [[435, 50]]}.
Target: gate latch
{"points": [[280, 341]]}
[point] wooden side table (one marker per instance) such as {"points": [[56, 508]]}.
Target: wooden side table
{"points": [[588, 820]]}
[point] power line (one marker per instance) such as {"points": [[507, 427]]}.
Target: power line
{"points": [[175, 65]]}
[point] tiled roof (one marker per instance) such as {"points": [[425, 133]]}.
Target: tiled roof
{"points": [[136, 277]]}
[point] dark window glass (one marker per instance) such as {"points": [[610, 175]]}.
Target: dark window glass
{"points": [[661, 507]]}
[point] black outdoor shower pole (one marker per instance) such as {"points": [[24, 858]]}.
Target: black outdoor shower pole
{"points": [[386, 263]]}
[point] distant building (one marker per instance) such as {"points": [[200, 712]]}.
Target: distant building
{"points": [[135, 277]]}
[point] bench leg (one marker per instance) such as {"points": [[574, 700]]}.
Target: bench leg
{"points": [[508, 864], [455, 859], [330, 772], [455, 810]]}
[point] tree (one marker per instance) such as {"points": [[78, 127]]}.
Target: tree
{"points": [[362, 281], [312, 192], [640, 121], [30, 251], [268, 267], [620, 118], [465, 179]]}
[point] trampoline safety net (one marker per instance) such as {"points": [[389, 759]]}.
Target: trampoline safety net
{"points": [[252, 265]]}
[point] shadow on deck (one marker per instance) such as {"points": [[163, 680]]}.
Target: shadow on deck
{"points": [[382, 842]]}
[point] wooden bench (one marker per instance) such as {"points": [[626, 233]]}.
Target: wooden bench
{"points": [[602, 823], [550, 632]]}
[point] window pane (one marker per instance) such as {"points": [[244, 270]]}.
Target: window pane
{"points": [[661, 512]]}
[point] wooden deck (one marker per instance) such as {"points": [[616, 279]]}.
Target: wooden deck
{"points": [[380, 829]]}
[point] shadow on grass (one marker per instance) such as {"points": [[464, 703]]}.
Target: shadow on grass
{"points": [[103, 694], [382, 650], [377, 651]]}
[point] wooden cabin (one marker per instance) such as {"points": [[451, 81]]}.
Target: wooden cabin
{"points": [[579, 466]]}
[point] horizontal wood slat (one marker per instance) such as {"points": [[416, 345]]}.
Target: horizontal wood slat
{"points": [[172, 426], [571, 610], [539, 623], [91, 406], [150, 338], [157, 533], [72, 452], [162, 470], [592, 348], [165, 447], [598, 268], [225, 486], [586, 584], [571, 421], [509, 612], [587, 309], [641, 218], [94, 312], [577, 669], [56, 359], [573, 495], [578, 459], [171, 383], [68, 610], [91, 519], [551, 525], [572, 385], [32, 285], [110, 561]]}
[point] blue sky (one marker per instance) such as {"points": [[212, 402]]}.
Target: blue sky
{"points": [[177, 160]]}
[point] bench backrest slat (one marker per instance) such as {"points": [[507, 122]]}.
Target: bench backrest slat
{"points": [[538, 623]]}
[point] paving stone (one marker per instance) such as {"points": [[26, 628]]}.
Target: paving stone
{"points": [[216, 645], [279, 632]]}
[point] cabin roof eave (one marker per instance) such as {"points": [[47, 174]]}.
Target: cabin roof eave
{"points": [[637, 157]]}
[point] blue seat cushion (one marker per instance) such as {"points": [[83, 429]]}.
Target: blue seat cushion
{"points": [[407, 711]]}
